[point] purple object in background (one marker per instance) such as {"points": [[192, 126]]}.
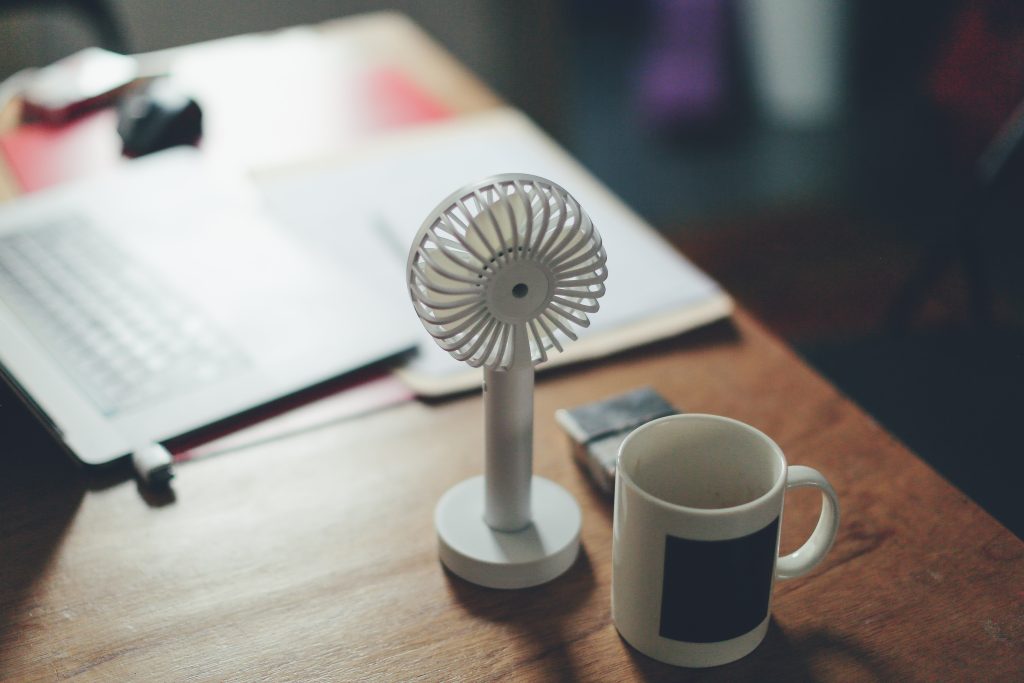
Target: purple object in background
{"points": [[683, 79]]}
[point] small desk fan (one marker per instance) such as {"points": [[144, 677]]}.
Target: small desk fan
{"points": [[497, 273]]}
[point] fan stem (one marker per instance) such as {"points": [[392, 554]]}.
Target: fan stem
{"points": [[508, 422]]}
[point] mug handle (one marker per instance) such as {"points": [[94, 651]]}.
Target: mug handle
{"points": [[807, 556]]}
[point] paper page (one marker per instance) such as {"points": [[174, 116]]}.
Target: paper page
{"points": [[652, 291]]}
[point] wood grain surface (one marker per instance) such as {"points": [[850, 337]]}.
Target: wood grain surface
{"points": [[313, 557]]}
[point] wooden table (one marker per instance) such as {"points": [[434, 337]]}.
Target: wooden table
{"points": [[314, 558]]}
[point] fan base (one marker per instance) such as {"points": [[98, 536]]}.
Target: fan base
{"points": [[534, 555]]}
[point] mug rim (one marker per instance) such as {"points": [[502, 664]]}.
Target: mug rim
{"points": [[777, 485]]}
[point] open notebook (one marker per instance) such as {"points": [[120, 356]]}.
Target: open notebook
{"points": [[653, 291]]}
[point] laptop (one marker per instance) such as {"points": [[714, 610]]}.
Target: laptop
{"points": [[164, 296]]}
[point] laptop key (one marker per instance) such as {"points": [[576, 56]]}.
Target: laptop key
{"points": [[121, 334]]}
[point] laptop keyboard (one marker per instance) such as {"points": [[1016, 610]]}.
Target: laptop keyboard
{"points": [[124, 336]]}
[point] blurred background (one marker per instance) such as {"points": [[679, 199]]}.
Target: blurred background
{"points": [[849, 171]]}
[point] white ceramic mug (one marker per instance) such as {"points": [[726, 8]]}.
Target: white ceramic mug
{"points": [[698, 510]]}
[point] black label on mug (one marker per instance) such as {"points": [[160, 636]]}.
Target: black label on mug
{"points": [[717, 590]]}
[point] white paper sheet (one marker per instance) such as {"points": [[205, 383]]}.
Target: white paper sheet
{"points": [[652, 291]]}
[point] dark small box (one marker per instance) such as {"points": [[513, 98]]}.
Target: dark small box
{"points": [[597, 429]]}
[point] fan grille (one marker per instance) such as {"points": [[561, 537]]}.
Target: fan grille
{"points": [[510, 250]]}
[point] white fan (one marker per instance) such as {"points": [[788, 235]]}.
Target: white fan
{"points": [[500, 273]]}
